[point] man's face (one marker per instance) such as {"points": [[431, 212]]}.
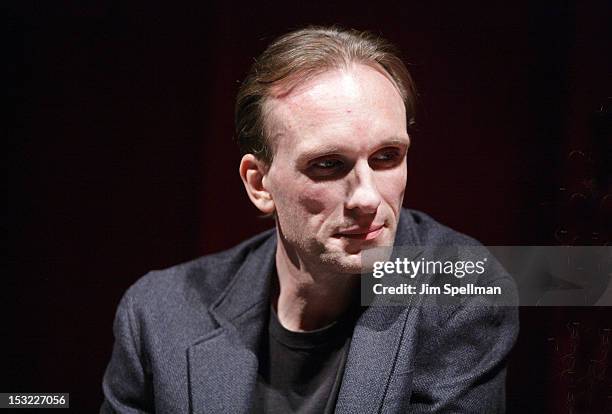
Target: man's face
{"points": [[339, 170]]}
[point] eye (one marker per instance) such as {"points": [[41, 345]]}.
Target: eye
{"points": [[327, 164], [386, 158], [325, 167]]}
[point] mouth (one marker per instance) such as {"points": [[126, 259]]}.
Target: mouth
{"points": [[369, 233]]}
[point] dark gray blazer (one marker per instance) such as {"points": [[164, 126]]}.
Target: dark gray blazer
{"points": [[186, 339]]}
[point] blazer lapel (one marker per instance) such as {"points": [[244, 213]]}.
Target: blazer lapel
{"points": [[374, 348], [223, 364], [221, 375]]}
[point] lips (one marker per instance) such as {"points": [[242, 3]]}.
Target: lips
{"points": [[360, 233]]}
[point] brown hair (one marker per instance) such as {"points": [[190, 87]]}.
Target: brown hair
{"points": [[301, 55]]}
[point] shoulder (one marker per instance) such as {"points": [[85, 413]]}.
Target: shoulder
{"points": [[444, 243], [478, 314], [419, 228], [197, 282]]}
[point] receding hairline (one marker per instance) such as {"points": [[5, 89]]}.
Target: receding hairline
{"points": [[301, 79], [280, 92]]}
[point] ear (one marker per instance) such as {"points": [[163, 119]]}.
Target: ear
{"points": [[253, 173]]}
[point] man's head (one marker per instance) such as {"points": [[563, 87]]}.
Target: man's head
{"points": [[322, 123], [303, 54]]}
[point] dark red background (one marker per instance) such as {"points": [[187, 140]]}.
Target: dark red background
{"points": [[121, 160]]}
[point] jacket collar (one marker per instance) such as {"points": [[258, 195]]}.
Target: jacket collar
{"points": [[223, 364], [250, 287]]}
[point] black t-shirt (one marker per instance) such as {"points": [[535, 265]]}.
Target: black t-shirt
{"points": [[301, 372]]}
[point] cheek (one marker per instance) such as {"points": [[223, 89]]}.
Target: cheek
{"points": [[303, 197], [392, 186], [316, 199]]}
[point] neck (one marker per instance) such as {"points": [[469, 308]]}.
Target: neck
{"points": [[308, 298]]}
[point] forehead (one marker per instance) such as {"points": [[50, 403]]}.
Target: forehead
{"points": [[337, 106]]}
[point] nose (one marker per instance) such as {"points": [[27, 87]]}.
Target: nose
{"points": [[363, 194]]}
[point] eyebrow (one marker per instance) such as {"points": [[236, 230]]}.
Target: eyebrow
{"points": [[321, 151]]}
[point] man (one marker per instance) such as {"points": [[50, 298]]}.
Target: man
{"points": [[273, 325]]}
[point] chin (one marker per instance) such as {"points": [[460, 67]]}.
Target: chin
{"points": [[343, 262]]}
